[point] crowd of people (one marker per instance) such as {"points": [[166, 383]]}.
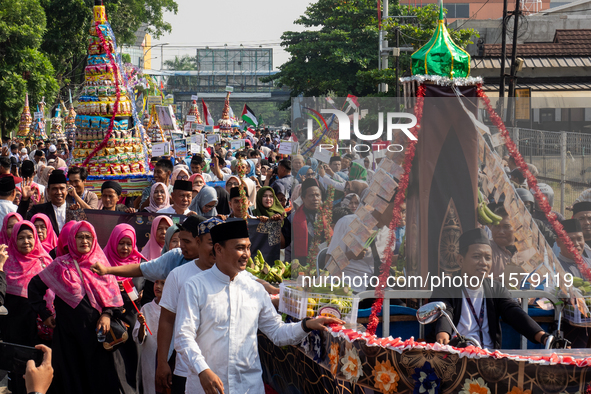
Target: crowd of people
{"points": [[200, 310]]}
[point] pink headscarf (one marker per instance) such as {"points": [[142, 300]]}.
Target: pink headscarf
{"points": [[119, 232], [62, 239], [152, 249], [21, 268], [62, 276], [3, 232], [50, 241], [153, 207], [192, 178], [177, 170]]}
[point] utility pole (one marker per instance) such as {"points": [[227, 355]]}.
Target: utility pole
{"points": [[511, 95], [503, 50], [383, 45], [397, 62]]}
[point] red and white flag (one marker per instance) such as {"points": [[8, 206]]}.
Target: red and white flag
{"points": [[206, 115], [130, 290]]}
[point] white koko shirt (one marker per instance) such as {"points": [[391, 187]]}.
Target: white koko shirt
{"points": [[217, 321]]}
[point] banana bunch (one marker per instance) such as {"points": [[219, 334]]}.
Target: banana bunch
{"points": [[259, 268], [485, 215], [308, 269], [584, 287], [343, 305]]}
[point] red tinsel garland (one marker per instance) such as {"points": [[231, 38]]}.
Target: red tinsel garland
{"points": [[323, 225], [533, 185], [409, 155], [117, 95]]}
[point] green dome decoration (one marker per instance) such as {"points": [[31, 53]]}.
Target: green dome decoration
{"points": [[441, 56]]}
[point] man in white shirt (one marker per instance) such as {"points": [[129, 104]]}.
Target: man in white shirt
{"points": [[181, 197], [7, 194], [219, 313], [170, 296], [476, 306]]}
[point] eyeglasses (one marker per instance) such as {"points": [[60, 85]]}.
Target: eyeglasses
{"points": [[310, 175], [182, 177], [84, 237], [232, 184]]}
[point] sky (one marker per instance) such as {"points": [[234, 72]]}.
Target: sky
{"points": [[232, 22]]}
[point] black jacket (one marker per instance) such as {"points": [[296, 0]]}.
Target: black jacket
{"points": [[499, 304], [46, 208]]}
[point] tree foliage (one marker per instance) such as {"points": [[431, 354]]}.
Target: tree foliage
{"points": [[339, 50], [69, 21], [23, 68]]}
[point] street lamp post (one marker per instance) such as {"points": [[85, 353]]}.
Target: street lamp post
{"points": [[161, 53]]}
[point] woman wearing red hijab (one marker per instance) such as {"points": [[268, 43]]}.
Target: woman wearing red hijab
{"points": [[84, 304], [26, 258], [45, 231], [121, 249]]}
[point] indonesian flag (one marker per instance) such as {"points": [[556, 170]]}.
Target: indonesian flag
{"points": [[353, 103], [206, 115], [249, 117], [130, 290]]}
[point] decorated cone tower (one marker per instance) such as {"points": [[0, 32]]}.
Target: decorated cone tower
{"points": [[24, 127], [154, 129], [71, 123], [109, 135], [39, 125], [225, 123], [57, 126], [195, 117]]}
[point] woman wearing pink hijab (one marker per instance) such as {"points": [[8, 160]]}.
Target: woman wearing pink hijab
{"points": [[8, 224], [62, 240], [121, 249], [153, 247], [26, 258], [85, 303], [45, 231]]}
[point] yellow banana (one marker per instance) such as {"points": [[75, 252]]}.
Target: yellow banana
{"points": [[482, 218], [491, 215]]}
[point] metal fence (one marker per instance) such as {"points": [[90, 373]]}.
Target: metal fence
{"points": [[563, 161]]}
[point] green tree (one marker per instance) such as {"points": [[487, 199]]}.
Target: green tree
{"points": [[23, 68], [341, 53], [183, 63], [69, 21]]}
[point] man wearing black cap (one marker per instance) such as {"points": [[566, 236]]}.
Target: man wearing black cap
{"points": [[7, 193], [55, 208], [110, 196], [567, 259], [582, 212], [238, 211], [219, 313], [181, 197], [465, 301]]}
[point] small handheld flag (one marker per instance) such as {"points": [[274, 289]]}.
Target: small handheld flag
{"points": [[133, 295]]}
